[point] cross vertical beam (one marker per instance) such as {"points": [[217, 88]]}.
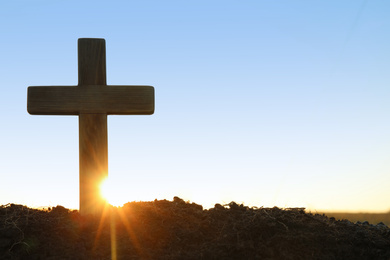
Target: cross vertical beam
{"points": [[93, 145]]}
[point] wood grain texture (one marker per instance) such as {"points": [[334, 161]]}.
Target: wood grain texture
{"points": [[92, 61], [93, 143], [110, 100], [93, 161]]}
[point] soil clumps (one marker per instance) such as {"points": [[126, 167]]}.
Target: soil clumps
{"points": [[177, 229]]}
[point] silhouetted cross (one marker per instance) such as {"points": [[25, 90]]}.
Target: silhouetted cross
{"points": [[92, 100]]}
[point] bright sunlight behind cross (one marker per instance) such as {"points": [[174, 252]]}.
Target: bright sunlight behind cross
{"points": [[117, 192], [110, 193], [114, 193]]}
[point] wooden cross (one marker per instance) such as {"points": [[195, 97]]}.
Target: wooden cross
{"points": [[92, 100]]}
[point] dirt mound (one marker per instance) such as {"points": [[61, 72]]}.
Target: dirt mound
{"points": [[175, 229]]}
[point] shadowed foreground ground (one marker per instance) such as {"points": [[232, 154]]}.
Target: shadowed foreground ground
{"points": [[179, 230]]}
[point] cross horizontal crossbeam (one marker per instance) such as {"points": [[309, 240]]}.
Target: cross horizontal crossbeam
{"points": [[75, 100]]}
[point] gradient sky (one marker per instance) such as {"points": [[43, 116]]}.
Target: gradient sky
{"points": [[267, 103]]}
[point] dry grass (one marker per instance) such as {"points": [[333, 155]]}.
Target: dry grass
{"points": [[372, 218]]}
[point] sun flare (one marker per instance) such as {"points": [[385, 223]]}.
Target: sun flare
{"points": [[118, 191], [109, 193]]}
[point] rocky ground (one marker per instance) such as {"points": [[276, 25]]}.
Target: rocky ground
{"points": [[179, 230]]}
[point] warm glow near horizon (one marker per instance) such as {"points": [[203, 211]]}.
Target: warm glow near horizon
{"points": [[117, 194], [109, 193]]}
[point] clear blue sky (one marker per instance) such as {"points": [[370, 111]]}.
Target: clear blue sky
{"points": [[269, 103]]}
